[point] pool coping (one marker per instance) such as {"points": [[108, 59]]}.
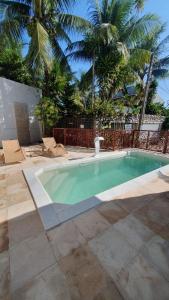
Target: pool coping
{"points": [[54, 214]]}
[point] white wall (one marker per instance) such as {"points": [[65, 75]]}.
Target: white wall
{"points": [[151, 126], [11, 92]]}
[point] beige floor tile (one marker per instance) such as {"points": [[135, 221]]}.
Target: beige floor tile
{"points": [[15, 188], [112, 212], [2, 183], [91, 224], [155, 214], [15, 178], [158, 186], [140, 280], [113, 251], [2, 192], [2, 176], [157, 252], [3, 215], [26, 226], [135, 199], [65, 238], [134, 231], [28, 259], [164, 232], [4, 276], [4, 241], [110, 292], [49, 285], [20, 209], [18, 197], [85, 276], [3, 202]]}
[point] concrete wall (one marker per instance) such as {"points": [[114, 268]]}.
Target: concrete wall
{"points": [[152, 126], [14, 95]]}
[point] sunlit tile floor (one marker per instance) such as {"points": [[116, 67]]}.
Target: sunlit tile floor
{"points": [[119, 250]]}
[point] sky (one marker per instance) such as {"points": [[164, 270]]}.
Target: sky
{"points": [[159, 7]]}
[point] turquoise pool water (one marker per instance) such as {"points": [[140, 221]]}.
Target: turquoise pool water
{"points": [[72, 184]]}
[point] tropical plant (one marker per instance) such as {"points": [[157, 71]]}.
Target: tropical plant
{"points": [[46, 23], [47, 113], [165, 125], [116, 30], [156, 109], [12, 65], [55, 83], [153, 43]]}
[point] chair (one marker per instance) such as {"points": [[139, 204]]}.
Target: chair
{"points": [[52, 148], [12, 151]]}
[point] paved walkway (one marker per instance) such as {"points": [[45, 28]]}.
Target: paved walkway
{"points": [[119, 250]]}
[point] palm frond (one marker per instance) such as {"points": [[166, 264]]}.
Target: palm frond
{"points": [[162, 62], [12, 30], [80, 55], [139, 4], [86, 79], [95, 13], [163, 46], [59, 55], [15, 8], [39, 54], [139, 58], [73, 23], [160, 73], [137, 29], [121, 12]]}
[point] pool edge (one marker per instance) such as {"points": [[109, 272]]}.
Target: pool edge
{"points": [[54, 214]]}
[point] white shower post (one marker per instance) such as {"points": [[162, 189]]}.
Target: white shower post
{"points": [[97, 144]]}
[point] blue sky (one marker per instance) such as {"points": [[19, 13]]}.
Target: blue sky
{"points": [[160, 7]]}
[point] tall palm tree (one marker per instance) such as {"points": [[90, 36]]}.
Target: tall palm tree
{"points": [[46, 22], [153, 43], [116, 30]]}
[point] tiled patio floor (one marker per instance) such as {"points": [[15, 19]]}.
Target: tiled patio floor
{"points": [[119, 250]]}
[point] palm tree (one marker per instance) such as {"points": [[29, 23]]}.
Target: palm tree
{"points": [[115, 32], [153, 43], [46, 22]]}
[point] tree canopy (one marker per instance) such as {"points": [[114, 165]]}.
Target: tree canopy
{"points": [[117, 40]]}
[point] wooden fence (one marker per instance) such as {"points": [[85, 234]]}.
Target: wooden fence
{"points": [[114, 140]]}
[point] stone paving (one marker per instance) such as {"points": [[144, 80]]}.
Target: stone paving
{"points": [[116, 251]]}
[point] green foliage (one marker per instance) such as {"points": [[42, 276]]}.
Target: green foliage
{"points": [[46, 22], [47, 112], [77, 102], [111, 42], [165, 125], [55, 83], [156, 109], [117, 42], [103, 111], [12, 65]]}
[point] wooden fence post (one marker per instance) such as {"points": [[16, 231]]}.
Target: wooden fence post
{"points": [[64, 136], [165, 143], [133, 145], [147, 142]]}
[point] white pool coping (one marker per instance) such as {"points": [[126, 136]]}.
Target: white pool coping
{"points": [[53, 214]]}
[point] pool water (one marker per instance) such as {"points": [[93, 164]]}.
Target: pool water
{"points": [[72, 184]]}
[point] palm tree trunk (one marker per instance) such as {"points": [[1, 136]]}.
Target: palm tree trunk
{"points": [[93, 82], [149, 77]]}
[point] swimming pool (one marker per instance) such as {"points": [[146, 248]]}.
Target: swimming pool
{"points": [[67, 189], [73, 184]]}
